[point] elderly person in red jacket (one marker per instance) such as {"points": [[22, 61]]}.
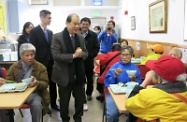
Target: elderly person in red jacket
{"points": [[107, 61]]}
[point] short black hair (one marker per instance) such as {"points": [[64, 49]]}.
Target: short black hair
{"points": [[69, 18], [111, 21], [86, 19], [116, 47], [44, 13], [98, 27], [124, 40]]}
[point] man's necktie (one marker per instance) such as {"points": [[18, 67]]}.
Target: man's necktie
{"points": [[46, 35], [84, 35], [73, 41]]}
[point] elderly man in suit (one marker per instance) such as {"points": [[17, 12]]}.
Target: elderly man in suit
{"points": [[41, 38], [69, 52]]}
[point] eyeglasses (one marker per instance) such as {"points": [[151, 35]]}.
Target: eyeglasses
{"points": [[125, 55]]}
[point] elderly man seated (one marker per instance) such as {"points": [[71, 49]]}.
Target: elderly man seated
{"points": [[28, 67], [165, 102]]}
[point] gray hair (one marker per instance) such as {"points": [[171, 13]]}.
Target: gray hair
{"points": [[26, 46], [179, 52], [181, 77], [129, 48]]}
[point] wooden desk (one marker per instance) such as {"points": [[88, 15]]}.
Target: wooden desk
{"points": [[15, 99], [119, 100]]}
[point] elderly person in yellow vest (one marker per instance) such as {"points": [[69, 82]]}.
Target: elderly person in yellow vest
{"points": [[28, 67], [165, 101], [156, 51]]}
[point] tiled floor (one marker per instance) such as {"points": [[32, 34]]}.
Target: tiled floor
{"points": [[94, 113]]}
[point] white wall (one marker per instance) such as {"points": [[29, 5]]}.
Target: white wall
{"points": [[139, 9], [59, 14]]}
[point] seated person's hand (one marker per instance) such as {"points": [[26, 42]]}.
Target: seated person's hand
{"points": [[97, 62], [2, 81], [34, 82], [148, 78], [133, 78], [117, 72]]}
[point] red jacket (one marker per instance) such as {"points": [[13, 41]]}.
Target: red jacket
{"points": [[104, 61]]}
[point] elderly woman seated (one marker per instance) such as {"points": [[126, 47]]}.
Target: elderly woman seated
{"points": [[117, 73], [28, 67], [165, 102]]}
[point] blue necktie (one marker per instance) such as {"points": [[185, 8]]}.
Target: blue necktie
{"points": [[46, 35]]}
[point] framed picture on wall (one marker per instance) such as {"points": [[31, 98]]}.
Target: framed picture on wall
{"points": [[133, 23], [38, 2], [158, 16]]}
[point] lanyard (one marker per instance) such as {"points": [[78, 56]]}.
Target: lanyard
{"points": [[21, 76]]}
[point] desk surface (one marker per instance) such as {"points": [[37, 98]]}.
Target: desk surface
{"points": [[119, 100], [15, 99]]}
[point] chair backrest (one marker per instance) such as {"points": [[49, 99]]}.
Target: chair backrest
{"points": [[97, 67], [4, 72], [143, 70]]}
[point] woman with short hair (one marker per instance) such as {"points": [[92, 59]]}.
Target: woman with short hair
{"points": [[116, 74]]}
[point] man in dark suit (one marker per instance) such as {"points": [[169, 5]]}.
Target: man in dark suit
{"points": [[92, 46], [41, 38], [69, 52]]}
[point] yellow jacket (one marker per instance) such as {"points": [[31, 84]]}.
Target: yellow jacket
{"points": [[152, 103], [150, 56]]}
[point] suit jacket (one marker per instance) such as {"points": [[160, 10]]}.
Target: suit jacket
{"points": [[62, 59], [43, 47], [92, 46]]}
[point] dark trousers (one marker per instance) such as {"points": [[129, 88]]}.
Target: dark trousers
{"points": [[52, 85], [65, 94], [89, 76], [100, 88], [6, 115]]}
